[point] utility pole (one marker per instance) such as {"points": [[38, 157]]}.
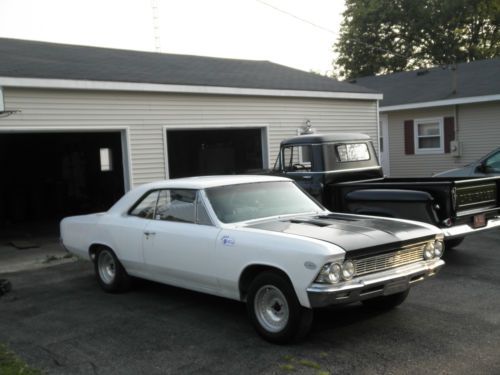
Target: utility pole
{"points": [[156, 24]]}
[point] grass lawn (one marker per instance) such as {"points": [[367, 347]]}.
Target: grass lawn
{"points": [[10, 364]]}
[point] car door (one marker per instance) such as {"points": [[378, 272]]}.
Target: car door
{"points": [[126, 232], [179, 244]]}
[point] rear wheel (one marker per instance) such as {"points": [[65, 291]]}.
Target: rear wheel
{"points": [[110, 273], [386, 302], [275, 310]]}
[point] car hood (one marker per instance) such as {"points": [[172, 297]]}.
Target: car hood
{"points": [[466, 171], [353, 233]]}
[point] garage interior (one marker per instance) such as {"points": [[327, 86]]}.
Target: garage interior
{"points": [[213, 151], [47, 176]]}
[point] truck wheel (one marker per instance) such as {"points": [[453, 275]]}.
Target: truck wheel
{"points": [[275, 311], [386, 302], [454, 242], [110, 273]]}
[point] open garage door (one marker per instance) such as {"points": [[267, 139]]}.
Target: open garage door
{"points": [[46, 176], [213, 151]]}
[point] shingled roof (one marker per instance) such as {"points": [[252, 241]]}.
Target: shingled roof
{"points": [[475, 79], [33, 59]]}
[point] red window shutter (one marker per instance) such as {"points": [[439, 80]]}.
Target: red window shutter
{"points": [[449, 133], [409, 138]]}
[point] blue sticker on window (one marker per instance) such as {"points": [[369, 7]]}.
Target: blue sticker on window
{"points": [[227, 241]]}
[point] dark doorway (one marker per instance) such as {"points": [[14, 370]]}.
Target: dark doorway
{"points": [[215, 151], [47, 176]]}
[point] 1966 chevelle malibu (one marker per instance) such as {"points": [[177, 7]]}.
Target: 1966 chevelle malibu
{"points": [[256, 239]]}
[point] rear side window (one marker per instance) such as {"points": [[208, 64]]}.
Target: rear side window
{"points": [[180, 205]]}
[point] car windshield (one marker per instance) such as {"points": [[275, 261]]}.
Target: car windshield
{"points": [[242, 202]]}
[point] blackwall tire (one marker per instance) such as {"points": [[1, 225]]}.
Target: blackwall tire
{"points": [[386, 302], [275, 311], [110, 273], [454, 242]]}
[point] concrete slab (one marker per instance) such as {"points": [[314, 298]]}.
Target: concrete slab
{"points": [[48, 253]]}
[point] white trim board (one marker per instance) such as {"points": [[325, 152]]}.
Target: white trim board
{"points": [[441, 103], [48, 83]]}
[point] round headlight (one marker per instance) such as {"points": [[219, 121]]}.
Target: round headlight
{"points": [[334, 273], [347, 270], [429, 251], [438, 249]]}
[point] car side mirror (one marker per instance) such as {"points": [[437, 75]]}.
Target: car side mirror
{"points": [[481, 168]]}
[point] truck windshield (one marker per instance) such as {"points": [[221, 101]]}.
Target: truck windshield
{"points": [[243, 202]]}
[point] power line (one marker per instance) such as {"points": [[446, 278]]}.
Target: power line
{"points": [[297, 17], [330, 31]]}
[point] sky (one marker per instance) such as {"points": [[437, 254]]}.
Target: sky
{"points": [[241, 29]]}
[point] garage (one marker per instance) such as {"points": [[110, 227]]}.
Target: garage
{"points": [[213, 151], [49, 175]]}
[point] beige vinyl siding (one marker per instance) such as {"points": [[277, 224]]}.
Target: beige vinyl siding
{"points": [[477, 128], [147, 115], [403, 165]]}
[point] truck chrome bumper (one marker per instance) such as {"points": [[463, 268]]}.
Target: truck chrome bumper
{"points": [[465, 229], [369, 286]]}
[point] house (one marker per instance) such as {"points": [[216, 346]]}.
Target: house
{"points": [[80, 125], [437, 119]]}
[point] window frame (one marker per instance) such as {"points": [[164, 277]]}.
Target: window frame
{"points": [[198, 200], [416, 137]]}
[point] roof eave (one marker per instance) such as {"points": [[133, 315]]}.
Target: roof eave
{"points": [[441, 103], [50, 83]]}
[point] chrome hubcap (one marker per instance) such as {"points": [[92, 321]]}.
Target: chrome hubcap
{"points": [[106, 266], [271, 308]]}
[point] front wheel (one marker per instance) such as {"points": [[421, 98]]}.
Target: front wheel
{"points": [[275, 310], [386, 302], [110, 273]]}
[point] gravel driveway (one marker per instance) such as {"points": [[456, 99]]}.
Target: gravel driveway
{"points": [[58, 320]]}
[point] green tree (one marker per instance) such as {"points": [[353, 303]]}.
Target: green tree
{"points": [[385, 36]]}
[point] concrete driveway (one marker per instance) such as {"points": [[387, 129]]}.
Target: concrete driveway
{"points": [[58, 320]]}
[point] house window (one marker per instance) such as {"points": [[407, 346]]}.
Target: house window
{"points": [[429, 136], [106, 159]]}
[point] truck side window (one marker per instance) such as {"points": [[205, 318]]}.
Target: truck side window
{"points": [[297, 158]]}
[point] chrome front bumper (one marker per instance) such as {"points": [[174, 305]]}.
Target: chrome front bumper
{"points": [[465, 229], [368, 286]]}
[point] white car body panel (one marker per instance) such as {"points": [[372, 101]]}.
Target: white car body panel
{"points": [[204, 258]]}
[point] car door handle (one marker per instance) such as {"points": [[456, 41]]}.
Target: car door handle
{"points": [[149, 233]]}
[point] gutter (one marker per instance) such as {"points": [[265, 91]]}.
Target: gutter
{"points": [[49, 83]]}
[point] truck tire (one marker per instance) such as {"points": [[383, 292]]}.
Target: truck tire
{"points": [[454, 242], [275, 311], [5, 286], [386, 302]]}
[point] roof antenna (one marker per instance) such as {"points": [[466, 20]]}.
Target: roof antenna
{"points": [[156, 24]]}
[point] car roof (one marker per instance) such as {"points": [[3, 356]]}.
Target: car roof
{"points": [[205, 182], [197, 183]]}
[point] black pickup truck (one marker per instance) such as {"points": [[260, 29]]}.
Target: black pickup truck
{"points": [[342, 172]]}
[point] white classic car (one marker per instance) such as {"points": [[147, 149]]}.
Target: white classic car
{"points": [[257, 239]]}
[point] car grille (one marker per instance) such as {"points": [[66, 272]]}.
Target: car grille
{"points": [[411, 254]]}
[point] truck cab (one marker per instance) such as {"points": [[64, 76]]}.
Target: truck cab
{"points": [[316, 161]]}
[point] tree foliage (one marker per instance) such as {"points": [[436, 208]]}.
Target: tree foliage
{"points": [[385, 36]]}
